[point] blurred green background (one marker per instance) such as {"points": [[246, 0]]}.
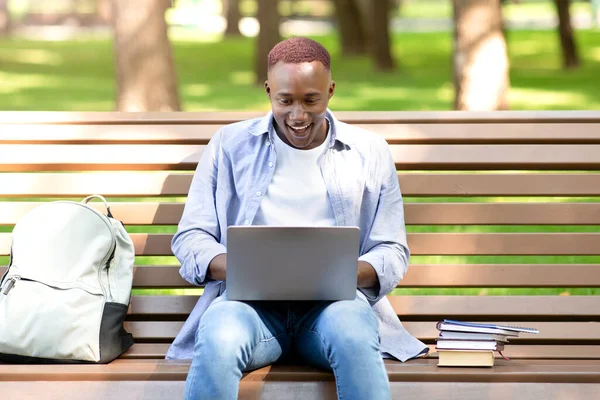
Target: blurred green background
{"points": [[71, 66], [60, 55]]}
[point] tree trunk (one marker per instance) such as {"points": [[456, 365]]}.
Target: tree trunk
{"points": [[146, 78], [5, 22], [380, 35], [565, 31], [480, 60], [268, 36], [352, 31], [103, 11], [231, 11]]}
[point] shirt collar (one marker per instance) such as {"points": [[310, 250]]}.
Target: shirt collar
{"points": [[337, 131]]}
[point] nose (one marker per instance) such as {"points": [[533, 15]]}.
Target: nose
{"points": [[297, 113]]}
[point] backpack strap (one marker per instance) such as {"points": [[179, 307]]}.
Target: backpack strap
{"points": [[87, 199]]}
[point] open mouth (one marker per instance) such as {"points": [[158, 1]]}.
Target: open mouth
{"points": [[299, 130]]}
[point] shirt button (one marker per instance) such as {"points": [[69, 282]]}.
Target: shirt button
{"points": [[268, 143], [258, 194], [246, 222], [270, 164]]}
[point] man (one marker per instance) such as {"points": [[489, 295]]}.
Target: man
{"points": [[297, 165]]}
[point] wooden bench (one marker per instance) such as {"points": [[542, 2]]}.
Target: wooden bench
{"points": [[144, 163]]}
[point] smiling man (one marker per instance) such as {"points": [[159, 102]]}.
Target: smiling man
{"points": [[296, 166]]}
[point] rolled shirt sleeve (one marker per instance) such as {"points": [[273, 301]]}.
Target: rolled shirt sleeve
{"points": [[197, 240], [388, 250]]}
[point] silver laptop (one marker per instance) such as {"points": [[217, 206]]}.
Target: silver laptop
{"points": [[292, 263]]}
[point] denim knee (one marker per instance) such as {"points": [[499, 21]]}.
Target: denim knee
{"points": [[223, 331], [349, 325]]}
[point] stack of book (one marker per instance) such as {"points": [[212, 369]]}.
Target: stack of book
{"points": [[469, 344]]}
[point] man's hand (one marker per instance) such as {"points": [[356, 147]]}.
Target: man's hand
{"points": [[366, 277], [218, 267]]}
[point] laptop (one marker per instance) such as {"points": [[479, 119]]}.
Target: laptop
{"points": [[292, 263]]}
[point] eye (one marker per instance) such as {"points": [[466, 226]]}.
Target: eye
{"points": [[284, 101], [311, 101]]}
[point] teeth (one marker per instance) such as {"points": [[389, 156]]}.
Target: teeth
{"points": [[301, 128]]}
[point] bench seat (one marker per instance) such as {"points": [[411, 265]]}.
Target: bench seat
{"points": [[546, 378], [530, 180]]}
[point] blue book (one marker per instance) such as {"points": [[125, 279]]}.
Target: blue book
{"points": [[453, 325]]}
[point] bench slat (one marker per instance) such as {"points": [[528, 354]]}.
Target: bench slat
{"points": [[20, 158], [273, 389], [408, 307], [428, 184], [116, 184], [565, 332], [354, 117], [549, 371], [504, 243], [132, 213], [440, 133], [513, 351], [128, 213], [127, 184], [427, 244], [502, 275], [431, 276]]}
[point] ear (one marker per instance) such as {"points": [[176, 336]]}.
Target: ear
{"points": [[267, 88], [331, 89]]}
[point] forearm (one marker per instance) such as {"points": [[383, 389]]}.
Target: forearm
{"points": [[390, 262], [217, 267], [367, 276]]}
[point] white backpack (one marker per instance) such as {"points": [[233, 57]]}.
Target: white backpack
{"points": [[67, 289]]}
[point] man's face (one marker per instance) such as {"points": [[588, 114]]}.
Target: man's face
{"points": [[299, 95]]}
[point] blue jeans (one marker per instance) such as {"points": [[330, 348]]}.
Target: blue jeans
{"points": [[236, 336]]}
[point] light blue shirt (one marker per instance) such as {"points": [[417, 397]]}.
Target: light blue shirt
{"points": [[233, 174]]}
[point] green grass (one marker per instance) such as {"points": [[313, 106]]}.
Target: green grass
{"points": [[78, 75], [526, 9]]}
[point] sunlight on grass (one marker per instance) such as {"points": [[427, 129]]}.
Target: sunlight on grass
{"points": [[219, 76], [496, 292], [35, 56], [167, 292], [106, 105], [594, 54], [425, 9], [185, 34], [514, 199], [544, 98], [523, 10], [15, 82], [156, 260], [501, 229], [242, 77], [196, 90]]}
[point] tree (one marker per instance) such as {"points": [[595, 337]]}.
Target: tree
{"points": [[480, 59], [103, 11], [351, 26], [380, 46], [5, 22], [231, 11], [565, 31], [268, 36], [146, 78]]}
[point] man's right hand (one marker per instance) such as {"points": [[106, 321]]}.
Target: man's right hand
{"points": [[217, 267]]}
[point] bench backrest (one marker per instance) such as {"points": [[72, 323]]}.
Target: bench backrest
{"points": [[493, 201]]}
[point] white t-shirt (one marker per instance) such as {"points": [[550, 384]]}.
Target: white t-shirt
{"points": [[297, 195]]}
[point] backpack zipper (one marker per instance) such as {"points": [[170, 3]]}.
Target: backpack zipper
{"points": [[10, 284], [110, 258]]}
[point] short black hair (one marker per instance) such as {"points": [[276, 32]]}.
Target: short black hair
{"points": [[297, 50]]}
